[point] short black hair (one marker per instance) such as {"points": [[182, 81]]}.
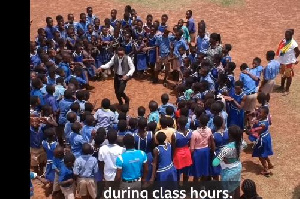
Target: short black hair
{"points": [[216, 107], [270, 54], [199, 111], [46, 110], [122, 116], [249, 188], [71, 117], [75, 127], [164, 98], [189, 82], [122, 125], [101, 131], [80, 95], [161, 137], [60, 80], [75, 107], [69, 158], [218, 121], [99, 139], [133, 122], [231, 66], [170, 122], [190, 11], [244, 66], [257, 59], [265, 109], [141, 111], [180, 88], [181, 104], [149, 15], [113, 108], [89, 119], [121, 49], [153, 105], [163, 122], [128, 141], [88, 106], [228, 47], [33, 100], [165, 15], [182, 121], [112, 136], [68, 94], [50, 89], [142, 123], [239, 83], [36, 83], [184, 111], [125, 108], [49, 132], [170, 110], [59, 18], [151, 126], [87, 149], [204, 119], [105, 103]]}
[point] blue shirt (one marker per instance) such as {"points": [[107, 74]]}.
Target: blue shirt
{"points": [[35, 60], [39, 94], [271, 70], [178, 44], [162, 28], [59, 92], [79, 79], [64, 106], [153, 116], [51, 101], [131, 162], [36, 137], [202, 44], [162, 108], [211, 83], [57, 163], [164, 44], [90, 20], [86, 166], [66, 68], [257, 72], [76, 142], [249, 83], [87, 133], [49, 32], [65, 174], [191, 25], [82, 25], [104, 118]]}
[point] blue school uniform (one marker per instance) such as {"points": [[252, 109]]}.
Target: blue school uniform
{"points": [[191, 25], [59, 92], [257, 72], [128, 47], [164, 44], [236, 116], [78, 57], [220, 141], [57, 163], [146, 146], [166, 170], [232, 81], [72, 41], [90, 20], [181, 141], [51, 81], [263, 145], [105, 53], [178, 44], [39, 94], [65, 174], [81, 80], [124, 23], [153, 116], [36, 137], [76, 142], [192, 58], [49, 32], [67, 131], [49, 148], [271, 70], [162, 28], [137, 34], [62, 33], [51, 101], [151, 53], [209, 79], [64, 107], [86, 133], [113, 22], [89, 36], [202, 44], [162, 108], [66, 68], [225, 59], [35, 60], [249, 84], [82, 25], [141, 58], [86, 166]]}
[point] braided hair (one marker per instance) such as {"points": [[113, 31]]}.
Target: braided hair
{"points": [[249, 189]]}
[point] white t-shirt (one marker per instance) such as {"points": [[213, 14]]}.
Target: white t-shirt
{"points": [[289, 56], [108, 154]]}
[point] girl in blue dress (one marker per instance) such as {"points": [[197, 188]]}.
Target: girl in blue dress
{"points": [[180, 145], [144, 141], [237, 100], [106, 40], [128, 45], [263, 146], [221, 138], [151, 57], [141, 55], [49, 145], [229, 68], [163, 168]]}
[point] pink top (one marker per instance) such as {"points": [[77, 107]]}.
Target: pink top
{"points": [[200, 138]]}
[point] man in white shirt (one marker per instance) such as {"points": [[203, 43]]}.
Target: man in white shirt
{"points": [[107, 156], [124, 69]]}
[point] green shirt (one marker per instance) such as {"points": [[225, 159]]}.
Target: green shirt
{"points": [[186, 33]]}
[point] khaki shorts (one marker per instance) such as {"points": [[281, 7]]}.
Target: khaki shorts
{"points": [[37, 156], [193, 36], [250, 103], [56, 186], [176, 64], [160, 62], [268, 87], [87, 186], [69, 191]]}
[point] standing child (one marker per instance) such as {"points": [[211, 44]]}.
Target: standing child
{"points": [[151, 56], [256, 71], [148, 25], [66, 177], [141, 55], [144, 141], [71, 117], [37, 85], [76, 139], [88, 128], [226, 57], [180, 145], [191, 24], [58, 161], [201, 146], [49, 146], [85, 168], [165, 103], [163, 168], [263, 147], [141, 112], [163, 25], [154, 115], [104, 117], [113, 20]]}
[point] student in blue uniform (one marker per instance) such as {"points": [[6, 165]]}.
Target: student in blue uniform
{"points": [[139, 31], [49, 145], [76, 139], [191, 24], [144, 141], [126, 21], [49, 29], [113, 20], [65, 64], [180, 145], [58, 161], [237, 101], [88, 34], [206, 75], [36, 91], [82, 23], [226, 57], [61, 29], [256, 71], [154, 115], [221, 138], [165, 103], [34, 57], [263, 147], [66, 176], [202, 41], [71, 117], [163, 168], [128, 45], [90, 17], [141, 55], [163, 25], [229, 68], [50, 100], [106, 40], [88, 128]]}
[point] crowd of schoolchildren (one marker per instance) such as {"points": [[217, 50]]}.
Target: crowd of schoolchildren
{"points": [[73, 146]]}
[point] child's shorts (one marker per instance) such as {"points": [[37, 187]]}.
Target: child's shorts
{"points": [[37, 156], [163, 60], [268, 87], [87, 186], [250, 103], [68, 191], [176, 64]]}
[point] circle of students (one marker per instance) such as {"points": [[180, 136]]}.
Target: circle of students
{"points": [[200, 136]]}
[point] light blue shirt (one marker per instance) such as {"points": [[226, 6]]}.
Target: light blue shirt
{"points": [[87, 133], [76, 142], [211, 83], [162, 108], [131, 162], [153, 116], [257, 72], [202, 44], [85, 166], [164, 44], [178, 44], [249, 83], [59, 92], [271, 70]]}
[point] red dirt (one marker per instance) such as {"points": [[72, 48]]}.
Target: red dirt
{"points": [[252, 29]]}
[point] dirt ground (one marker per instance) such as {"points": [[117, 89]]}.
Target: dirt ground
{"points": [[252, 27]]}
